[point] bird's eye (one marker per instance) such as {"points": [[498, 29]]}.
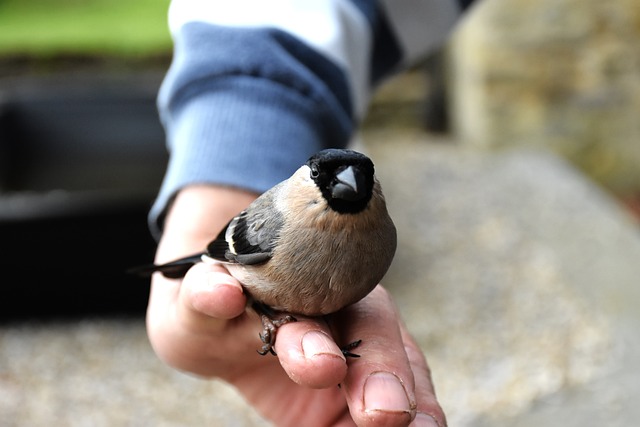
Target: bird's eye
{"points": [[314, 172]]}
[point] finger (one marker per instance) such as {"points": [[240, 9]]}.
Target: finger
{"points": [[309, 354], [208, 299], [429, 411], [183, 328], [209, 290], [379, 385]]}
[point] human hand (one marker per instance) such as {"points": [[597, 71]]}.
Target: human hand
{"points": [[200, 325]]}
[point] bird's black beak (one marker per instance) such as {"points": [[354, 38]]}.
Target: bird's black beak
{"points": [[349, 185]]}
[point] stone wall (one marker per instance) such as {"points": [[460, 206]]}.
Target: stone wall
{"points": [[562, 74]]}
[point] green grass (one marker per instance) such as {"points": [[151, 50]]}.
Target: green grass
{"points": [[45, 28]]}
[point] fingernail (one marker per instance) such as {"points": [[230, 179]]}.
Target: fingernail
{"points": [[315, 343], [384, 391], [424, 420]]}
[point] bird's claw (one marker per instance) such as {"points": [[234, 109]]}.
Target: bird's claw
{"points": [[346, 350], [271, 323], [269, 329]]}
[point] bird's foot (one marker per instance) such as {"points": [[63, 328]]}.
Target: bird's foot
{"points": [[270, 325], [269, 329]]}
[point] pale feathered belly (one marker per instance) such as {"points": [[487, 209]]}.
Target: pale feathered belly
{"points": [[312, 291]]}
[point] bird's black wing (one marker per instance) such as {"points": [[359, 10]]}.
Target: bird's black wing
{"points": [[218, 248], [250, 237]]}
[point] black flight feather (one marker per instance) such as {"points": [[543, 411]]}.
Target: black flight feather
{"points": [[172, 270]]}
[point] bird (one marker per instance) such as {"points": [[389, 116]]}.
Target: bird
{"points": [[311, 245]]}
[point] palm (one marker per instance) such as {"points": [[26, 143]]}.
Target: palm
{"points": [[279, 399]]}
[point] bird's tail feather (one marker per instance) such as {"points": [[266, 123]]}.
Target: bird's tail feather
{"points": [[172, 270]]}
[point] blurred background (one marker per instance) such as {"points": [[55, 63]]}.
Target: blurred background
{"points": [[511, 164], [81, 152]]}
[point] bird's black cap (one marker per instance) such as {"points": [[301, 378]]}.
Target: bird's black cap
{"points": [[345, 178]]}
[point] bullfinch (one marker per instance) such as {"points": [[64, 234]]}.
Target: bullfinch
{"points": [[311, 245]]}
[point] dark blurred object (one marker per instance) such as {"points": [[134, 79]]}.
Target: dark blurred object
{"points": [[436, 115], [81, 159]]}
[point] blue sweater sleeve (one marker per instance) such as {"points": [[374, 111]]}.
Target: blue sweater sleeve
{"points": [[254, 90]]}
